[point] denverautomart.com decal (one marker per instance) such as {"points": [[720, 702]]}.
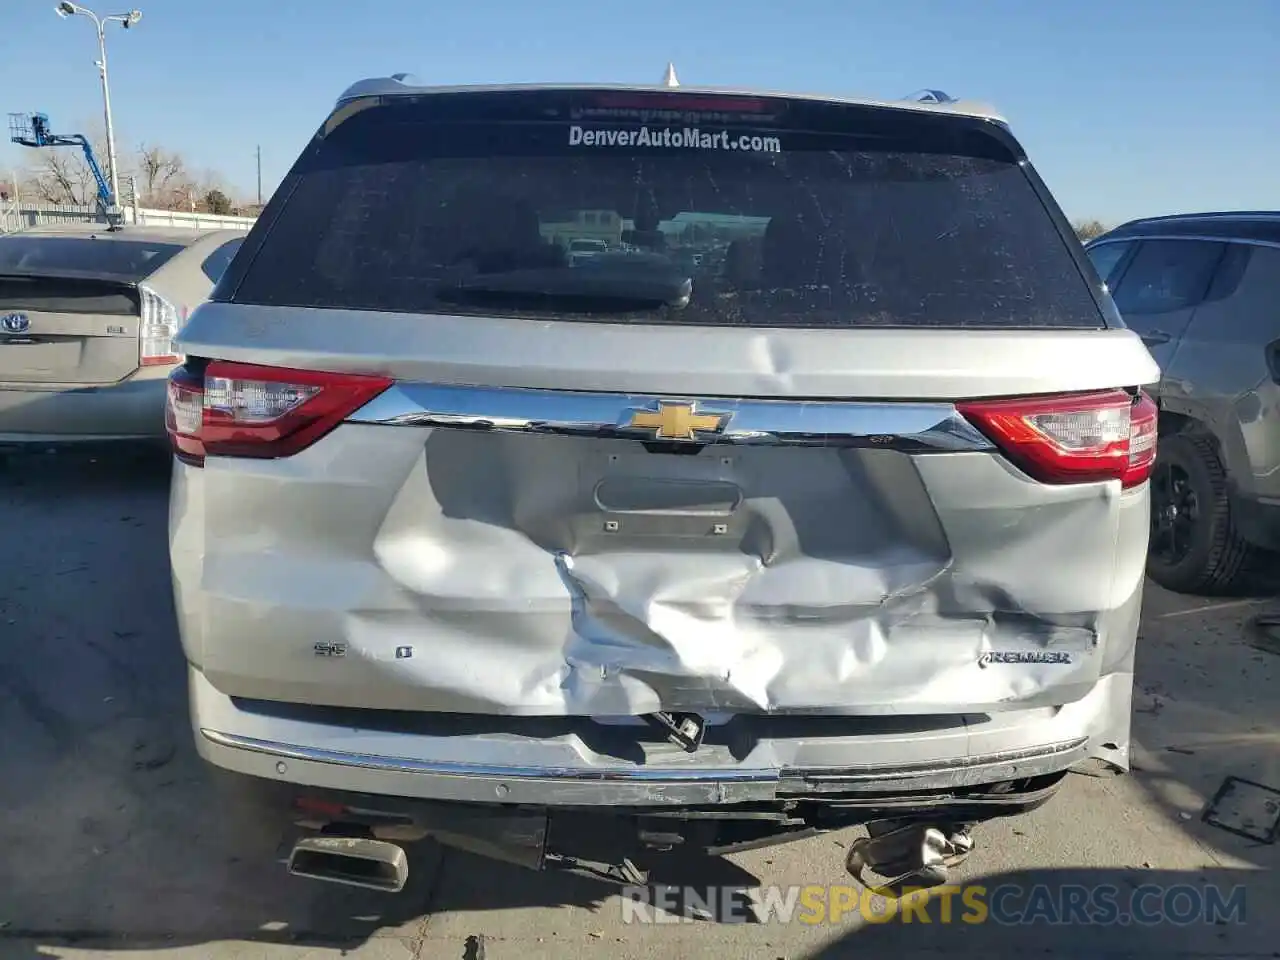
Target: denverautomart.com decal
{"points": [[687, 138]]}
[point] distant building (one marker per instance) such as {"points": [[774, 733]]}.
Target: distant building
{"points": [[603, 225]]}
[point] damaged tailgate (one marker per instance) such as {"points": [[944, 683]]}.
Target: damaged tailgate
{"points": [[842, 422]]}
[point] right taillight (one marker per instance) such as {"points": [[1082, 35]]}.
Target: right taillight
{"points": [[1075, 438], [243, 410], [159, 325]]}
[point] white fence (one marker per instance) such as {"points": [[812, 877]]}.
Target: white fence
{"points": [[19, 216], [183, 218]]}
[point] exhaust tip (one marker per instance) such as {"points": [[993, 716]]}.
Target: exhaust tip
{"points": [[354, 861]]}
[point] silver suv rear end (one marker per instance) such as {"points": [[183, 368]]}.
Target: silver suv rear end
{"points": [[822, 500]]}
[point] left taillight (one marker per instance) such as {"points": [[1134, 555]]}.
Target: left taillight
{"points": [[243, 410], [1074, 438]]}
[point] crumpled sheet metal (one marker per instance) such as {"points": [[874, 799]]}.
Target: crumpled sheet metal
{"points": [[618, 628], [606, 657]]}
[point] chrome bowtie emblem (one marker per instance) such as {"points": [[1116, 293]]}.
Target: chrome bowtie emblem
{"points": [[15, 323], [674, 420]]}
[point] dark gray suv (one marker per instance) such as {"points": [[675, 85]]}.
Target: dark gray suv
{"points": [[1203, 292]]}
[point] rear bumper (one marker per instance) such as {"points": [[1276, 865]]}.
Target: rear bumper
{"points": [[885, 764], [132, 409]]}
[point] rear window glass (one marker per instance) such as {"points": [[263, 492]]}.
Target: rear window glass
{"points": [[794, 215], [129, 260]]}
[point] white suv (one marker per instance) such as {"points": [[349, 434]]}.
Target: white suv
{"points": [[848, 530]]}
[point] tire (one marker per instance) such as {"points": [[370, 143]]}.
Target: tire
{"points": [[1213, 558]]}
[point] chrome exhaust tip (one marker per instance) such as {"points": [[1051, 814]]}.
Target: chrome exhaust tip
{"points": [[354, 861]]}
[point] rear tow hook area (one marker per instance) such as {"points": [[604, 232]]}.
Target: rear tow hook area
{"points": [[898, 857], [685, 730]]}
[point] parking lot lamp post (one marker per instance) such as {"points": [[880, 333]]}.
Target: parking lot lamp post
{"points": [[126, 20]]}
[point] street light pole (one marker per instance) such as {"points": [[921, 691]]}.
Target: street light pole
{"points": [[112, 175], [125, 20]]}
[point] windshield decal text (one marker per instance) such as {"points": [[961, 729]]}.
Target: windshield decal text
{"points": [[685, 138]]}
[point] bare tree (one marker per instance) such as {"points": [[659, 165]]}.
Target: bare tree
{"points": [[1088, 229], [163, 181]]}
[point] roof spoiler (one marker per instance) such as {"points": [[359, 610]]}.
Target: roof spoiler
{"points": [[931, 96], [372, 89], [375, 85]]}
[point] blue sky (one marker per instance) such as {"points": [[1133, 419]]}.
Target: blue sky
{"points": [[1128, 107]]}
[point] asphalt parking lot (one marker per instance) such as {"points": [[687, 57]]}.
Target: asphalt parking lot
{"points": [[114, 841]]}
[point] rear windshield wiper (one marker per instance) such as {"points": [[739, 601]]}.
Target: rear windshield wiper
{"points": [[597, 288]]}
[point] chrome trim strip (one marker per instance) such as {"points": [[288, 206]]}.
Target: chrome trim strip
{"points": [[1252, 216], [470, 770], [1202, 238], [654, 786], [913, 426], [959, 771]]}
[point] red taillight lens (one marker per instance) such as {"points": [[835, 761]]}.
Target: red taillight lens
{"points": [[1076, 438], [318, 807], [242, 410], [1144, 428], [183, 413]]}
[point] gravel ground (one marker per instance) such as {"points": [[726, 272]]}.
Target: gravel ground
{"points": [[115, 841]]}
